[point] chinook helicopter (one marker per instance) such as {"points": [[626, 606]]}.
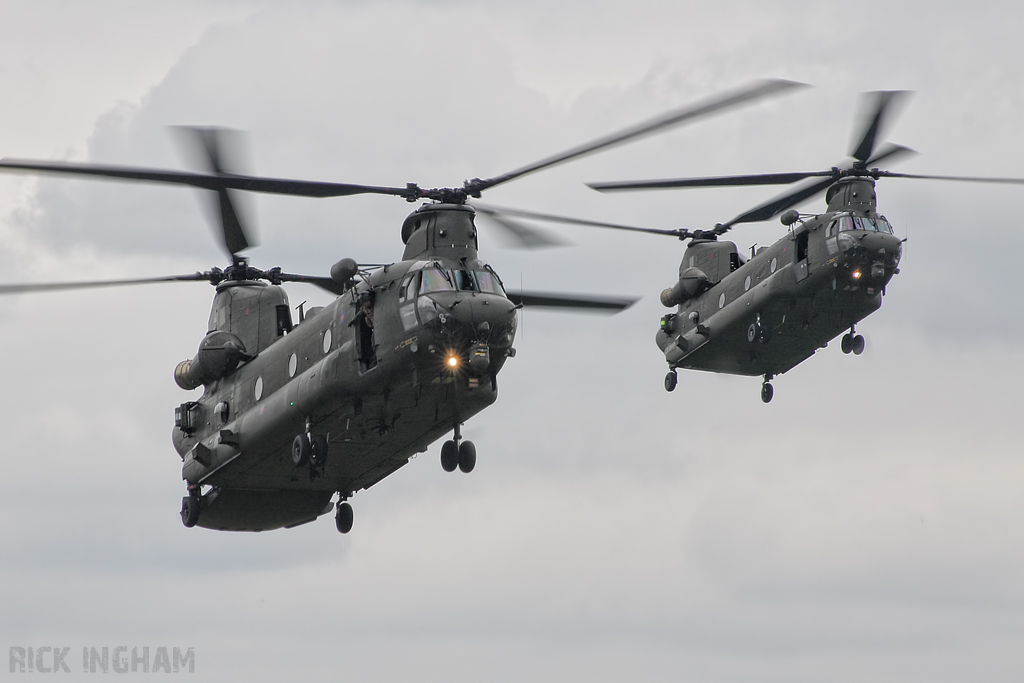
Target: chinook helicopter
{"points": [[766, 314], [293, 413]]}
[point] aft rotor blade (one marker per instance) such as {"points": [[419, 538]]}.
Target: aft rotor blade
{"points": [[749, 93], [575, 301], [226, 181], [325, 283], [875, 120], [712, 181], [61, 286], [494, 211]]}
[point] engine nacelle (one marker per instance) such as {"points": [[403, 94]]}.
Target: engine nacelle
{"points": [[692, 282], [219, 353]]}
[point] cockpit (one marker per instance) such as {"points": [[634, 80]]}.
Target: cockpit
{"points": [[844, 223], [434, 279]]}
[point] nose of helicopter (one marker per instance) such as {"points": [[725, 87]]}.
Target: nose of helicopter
{"points": [[481, 311]]}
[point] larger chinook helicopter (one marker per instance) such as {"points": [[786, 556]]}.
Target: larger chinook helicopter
{"points": [[765, 314], [405, 354]]}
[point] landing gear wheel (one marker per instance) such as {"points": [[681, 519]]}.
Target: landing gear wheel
{"points": [[318, 450], [344, 517], [754, 332], [857, 345], [190, 511], [467, 456], [767, 392], [301, 449], [847, 343], [671, 380], [449, 456]]}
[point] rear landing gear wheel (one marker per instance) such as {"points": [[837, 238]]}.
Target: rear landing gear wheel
{"points": [[857, 345], [449, 456], [671, 380], [344, 517], [754, 332], [190, 511], [847, 343], [767, 392], [467, 456], [318, 450], [301, 449]]}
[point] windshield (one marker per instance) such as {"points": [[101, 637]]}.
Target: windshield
{"points": [[437, 280], [873, 224]]}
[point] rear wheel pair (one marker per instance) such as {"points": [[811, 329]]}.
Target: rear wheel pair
{"points": [[461, 455]]}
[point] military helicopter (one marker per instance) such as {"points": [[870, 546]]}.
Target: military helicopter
{"points": [[293, 413], [765, 314]]}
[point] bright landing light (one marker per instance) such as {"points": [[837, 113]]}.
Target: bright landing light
{"points": [[453, 362]]}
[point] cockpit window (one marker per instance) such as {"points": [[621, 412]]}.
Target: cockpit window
{"points": [[436, 280], [845, 223], [464, 281], [873, 224], [488, 282]]}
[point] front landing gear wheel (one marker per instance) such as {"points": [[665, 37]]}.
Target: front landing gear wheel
{"points": [[767, 392], [344, 517], [449, 456], [847, 343], [857, 345], [190, 511], [671, 380], [467, 456], [301, 450]]}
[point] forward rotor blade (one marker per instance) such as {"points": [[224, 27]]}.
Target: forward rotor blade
{"points": [[498, 211], [959, 178], [61, 286], [749, 93], [576, 301], [523, 236], [712, 181], [777, 205], [227, 181], [875, 120]]}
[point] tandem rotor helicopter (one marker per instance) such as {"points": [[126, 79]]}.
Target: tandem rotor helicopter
{"points": [[765, 314], [293, 413]]}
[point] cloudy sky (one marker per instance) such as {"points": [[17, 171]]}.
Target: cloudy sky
{"points": [[866, 525]]}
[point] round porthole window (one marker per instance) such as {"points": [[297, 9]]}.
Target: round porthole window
{"points": [[746, 284], [258, 389], [775, 264], [327, 340], [721, 301], [293, 365]]}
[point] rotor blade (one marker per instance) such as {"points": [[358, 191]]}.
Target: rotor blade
{"points": [[60, 286], [891, 152], [777, 205], [749, 93], [713, 181], [326, 283], [552, 300], [218, 148], [493, 211], [875, 119], [227, 181], [523, 236], [960, 178]]}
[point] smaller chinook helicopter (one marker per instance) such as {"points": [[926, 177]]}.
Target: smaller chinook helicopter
{"points": [[766, 314], [406, 353]]}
